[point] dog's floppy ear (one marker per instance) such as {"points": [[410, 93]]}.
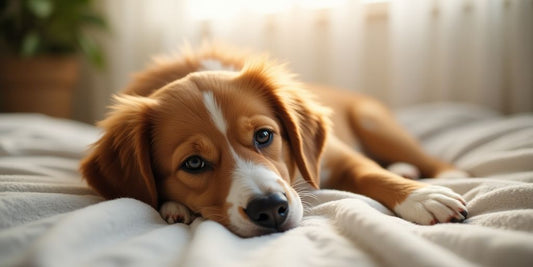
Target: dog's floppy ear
{"points": [[307, 129], [119, 164], [305, 121]]}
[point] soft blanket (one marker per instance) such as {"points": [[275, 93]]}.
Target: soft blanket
{"points": [[49, 217]]}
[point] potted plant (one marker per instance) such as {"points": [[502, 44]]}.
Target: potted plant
{"points": [[40, 41]]}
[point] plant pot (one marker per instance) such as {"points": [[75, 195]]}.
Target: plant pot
{"points": [[42, 84]]}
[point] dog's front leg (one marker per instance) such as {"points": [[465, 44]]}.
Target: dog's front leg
{"points": [[412, 200]]}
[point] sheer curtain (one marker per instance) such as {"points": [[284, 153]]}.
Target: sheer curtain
{"points": [[473, 51], [403, 52]]}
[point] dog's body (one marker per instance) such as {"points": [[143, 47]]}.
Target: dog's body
{"points": [[231, 137]]}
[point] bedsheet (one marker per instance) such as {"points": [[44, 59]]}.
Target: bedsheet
{"points": [[50, 217]]}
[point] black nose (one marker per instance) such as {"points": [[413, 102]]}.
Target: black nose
{"points": [[268, 211]]}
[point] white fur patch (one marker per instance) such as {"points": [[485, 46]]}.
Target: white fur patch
{"points": [[174, 212], [432, 204], [213, 65], [405, 170], [250, 179], [215, 112], [452, 174]]}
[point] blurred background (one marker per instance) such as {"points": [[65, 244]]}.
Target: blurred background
{"points": [[403, 52]]}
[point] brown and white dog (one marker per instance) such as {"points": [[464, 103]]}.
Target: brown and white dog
{"points": [[230, 137]]}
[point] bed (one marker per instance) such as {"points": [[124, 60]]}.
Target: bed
{"points": [[50, 217]]}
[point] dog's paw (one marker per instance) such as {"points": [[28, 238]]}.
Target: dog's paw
{"points": [[174, 212], [431, 205]]}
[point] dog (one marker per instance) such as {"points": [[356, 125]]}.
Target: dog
{"points": [[230, 136]]}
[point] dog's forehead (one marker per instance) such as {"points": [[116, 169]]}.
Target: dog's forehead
{"points": [[205, 103], [223, 93]]}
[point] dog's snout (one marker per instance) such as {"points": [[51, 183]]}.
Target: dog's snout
{"points": [[268, 211]]}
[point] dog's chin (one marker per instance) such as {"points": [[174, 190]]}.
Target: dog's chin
{"points": [[252, 230], [246, 228]]}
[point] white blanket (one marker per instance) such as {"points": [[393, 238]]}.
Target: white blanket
{"points": [[49, 217]]}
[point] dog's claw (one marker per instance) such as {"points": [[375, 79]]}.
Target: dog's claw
{"points": [[464, 213]]}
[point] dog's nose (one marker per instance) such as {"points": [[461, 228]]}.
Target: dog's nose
{"points": [[268, 211]]}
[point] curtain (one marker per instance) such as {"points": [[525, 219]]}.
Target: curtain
{"points": [[403, 52]]}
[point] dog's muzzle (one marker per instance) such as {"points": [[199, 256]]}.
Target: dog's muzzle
{"points": [[269, 211]]}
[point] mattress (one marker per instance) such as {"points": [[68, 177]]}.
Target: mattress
{"points": [[50, 217]]}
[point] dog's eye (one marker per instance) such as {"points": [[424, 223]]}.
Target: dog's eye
{"points": [[263, 138], [194, 164]]}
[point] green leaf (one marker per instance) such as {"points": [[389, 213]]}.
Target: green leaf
{"points": [[94, 20], [41, 8], [30, 44], [92, 51]]}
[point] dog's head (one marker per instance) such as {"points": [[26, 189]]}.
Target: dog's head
{"points": [[229, 145]]}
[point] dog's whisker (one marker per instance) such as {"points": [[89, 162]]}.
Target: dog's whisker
{"points": [[309, 197], [299, 188], [304, 192], [306, 204], [300, 182]]}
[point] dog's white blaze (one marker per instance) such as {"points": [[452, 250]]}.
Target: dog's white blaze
{"points": [[215, 112], [250, 179]]}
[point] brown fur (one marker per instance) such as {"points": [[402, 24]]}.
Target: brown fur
{"points": [[154, 126], [149, 134], [121, 158]]}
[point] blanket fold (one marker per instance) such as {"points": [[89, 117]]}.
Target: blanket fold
{"points": [[50, 217]]}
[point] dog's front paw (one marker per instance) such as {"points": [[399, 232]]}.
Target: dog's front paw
{"points": [[174, 212], [431, 205]]}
